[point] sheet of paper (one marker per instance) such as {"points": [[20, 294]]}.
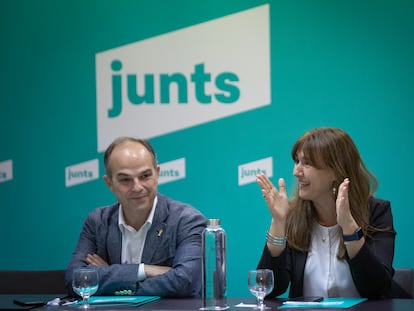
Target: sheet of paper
{"points": [[331, 303]]}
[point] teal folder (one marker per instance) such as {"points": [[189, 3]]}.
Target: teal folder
{"points": [[331, 303], [121, 300]]}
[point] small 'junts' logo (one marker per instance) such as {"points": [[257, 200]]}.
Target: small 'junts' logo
{"points": [[81, 172], [172, 171], [6, 170], [248, 171]]}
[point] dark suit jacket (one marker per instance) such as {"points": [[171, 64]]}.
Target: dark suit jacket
{"points": [[179, 246], [371, 268]]}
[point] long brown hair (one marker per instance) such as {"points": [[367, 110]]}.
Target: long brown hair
{"points": [[330, 148]]}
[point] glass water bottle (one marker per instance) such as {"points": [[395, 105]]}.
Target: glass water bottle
{"points": [[214, 266]]}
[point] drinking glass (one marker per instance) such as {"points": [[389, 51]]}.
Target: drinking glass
{"points": [[260, 283], [85, 283]]}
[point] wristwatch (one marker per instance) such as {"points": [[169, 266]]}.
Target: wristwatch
{"points": [[357, 235]]}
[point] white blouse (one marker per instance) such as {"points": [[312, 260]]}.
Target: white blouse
{"points": [[325, 274]]}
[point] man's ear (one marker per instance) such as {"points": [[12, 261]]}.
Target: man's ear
{"points": [[107, 181]]}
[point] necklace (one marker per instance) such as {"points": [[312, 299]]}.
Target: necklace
{"points": [[327, 233]]}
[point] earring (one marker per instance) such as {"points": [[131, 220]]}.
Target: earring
{"points": [[334, 190]]}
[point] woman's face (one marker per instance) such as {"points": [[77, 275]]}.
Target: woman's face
{"points": [[314, 184]]}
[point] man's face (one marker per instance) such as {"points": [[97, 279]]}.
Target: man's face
{"points": [[134, 179]]}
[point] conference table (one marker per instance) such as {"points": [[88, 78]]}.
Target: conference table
{"points": [[180, 304]]}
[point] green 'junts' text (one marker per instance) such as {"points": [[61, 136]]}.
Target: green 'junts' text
{"points": [[225, 82]]}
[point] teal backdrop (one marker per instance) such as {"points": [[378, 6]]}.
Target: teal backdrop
{"points": [[347, 64]]}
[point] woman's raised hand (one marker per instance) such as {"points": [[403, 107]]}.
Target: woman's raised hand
{"points": [[343, 211], [277, 200]]}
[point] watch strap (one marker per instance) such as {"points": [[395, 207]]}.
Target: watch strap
{"points": [[357, 235]]}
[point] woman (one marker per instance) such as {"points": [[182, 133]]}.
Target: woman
{"points": [[333, 239]]}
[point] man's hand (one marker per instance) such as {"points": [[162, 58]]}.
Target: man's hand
{"points": [[152, 270], [95, 260]]}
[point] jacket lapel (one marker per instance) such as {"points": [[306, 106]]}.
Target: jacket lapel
{"points": [[157, 231], [114, 239]]}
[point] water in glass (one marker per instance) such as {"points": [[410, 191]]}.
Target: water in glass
{"points": [[260, 283], [85, 283]]}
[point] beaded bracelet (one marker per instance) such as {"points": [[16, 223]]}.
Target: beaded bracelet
{"points": [[275, 240]]}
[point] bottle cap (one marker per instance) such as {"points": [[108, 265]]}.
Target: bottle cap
{"points": [[213, 222]]}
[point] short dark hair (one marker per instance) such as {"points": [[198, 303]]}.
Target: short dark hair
{"points": [[123, 139]]}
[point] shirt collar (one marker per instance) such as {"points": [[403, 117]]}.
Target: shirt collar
{"points": [[121, 220]]}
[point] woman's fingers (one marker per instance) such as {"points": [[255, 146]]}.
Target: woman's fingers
{"points": [[282, 185], [264, 182]]}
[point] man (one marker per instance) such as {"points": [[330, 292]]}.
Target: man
{"points": [[146, 243]]}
